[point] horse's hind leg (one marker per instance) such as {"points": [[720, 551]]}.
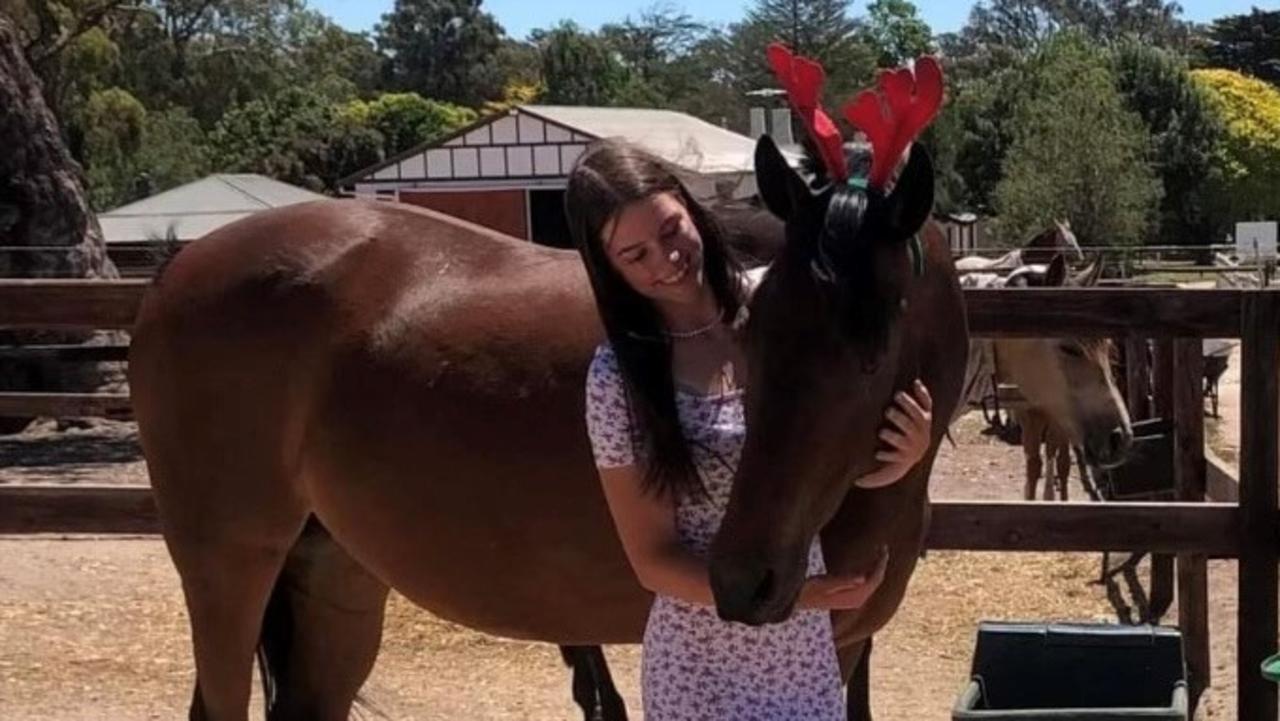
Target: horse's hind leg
{"points": [[226, 584], [321, 633], [593, 688], [231, 508]]}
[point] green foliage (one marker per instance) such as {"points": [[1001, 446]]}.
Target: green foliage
{"points": [[1250, 111], [1025, 25], [579, 68], [442, 49], [1246, 43], [820, 29], [174, 151], [971, 138], [895, 30], [287, 137], [1082, 109], [1078, 154], [1185, 138], [114, 120], [405, 119]]}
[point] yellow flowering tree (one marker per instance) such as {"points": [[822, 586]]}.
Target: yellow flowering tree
{"points": [[1250, 153]]}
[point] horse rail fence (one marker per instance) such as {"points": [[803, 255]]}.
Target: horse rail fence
{"points": [[1192, 528]]}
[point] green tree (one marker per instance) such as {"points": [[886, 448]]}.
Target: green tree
{"points": [[816, 28], [649, 44], [297, 136], [1025, 25], [972, 136], [442, 49], [578, 67], [1186, 136], [1077, 154], [321, 53], [114, 121], [406, 119], [1247, 43], [174, 151], [820, 29], [654, 48], [208, 56], [895, 30]]}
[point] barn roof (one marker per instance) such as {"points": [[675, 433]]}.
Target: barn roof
{"points": [[538, 143], [689, 142], [199, 207]]}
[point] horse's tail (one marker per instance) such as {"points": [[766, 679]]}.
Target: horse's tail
{"points": [[163, 251], [274, 644]]}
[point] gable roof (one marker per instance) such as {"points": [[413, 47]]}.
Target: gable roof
{"points": [[532, 141], [678, 138], [199, 207]]}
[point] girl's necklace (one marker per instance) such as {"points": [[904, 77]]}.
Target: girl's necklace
{"points": [[687, 334]]}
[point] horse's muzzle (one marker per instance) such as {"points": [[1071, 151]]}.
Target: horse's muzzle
{"points": [[1108, 450], [752, 590]]}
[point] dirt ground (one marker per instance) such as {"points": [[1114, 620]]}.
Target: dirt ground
{"points": [[96, 628]]}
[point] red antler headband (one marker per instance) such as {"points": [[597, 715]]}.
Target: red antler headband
{"points": [[802, 78], [896, 113]]}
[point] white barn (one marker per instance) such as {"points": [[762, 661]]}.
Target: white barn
{"points": [[508, 171]]}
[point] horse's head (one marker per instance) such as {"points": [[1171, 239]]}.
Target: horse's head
{"points": [[1069, 378], [823, 341]]}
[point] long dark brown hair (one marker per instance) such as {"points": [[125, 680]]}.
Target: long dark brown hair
{"points": [[609, 175]]}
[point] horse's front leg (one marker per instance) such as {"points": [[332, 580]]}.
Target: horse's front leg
{"points": [[1032, 434], [1062, 463]]}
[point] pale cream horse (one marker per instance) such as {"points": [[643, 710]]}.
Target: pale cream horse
{"points": [[1070, 396]]}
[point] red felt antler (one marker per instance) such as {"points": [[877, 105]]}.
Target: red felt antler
{"points": [[802, 78], [896, 113]]}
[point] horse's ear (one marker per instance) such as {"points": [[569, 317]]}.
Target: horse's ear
{"points": [[1056, 275], [1088, 277], [781, 188], [911, 201]]}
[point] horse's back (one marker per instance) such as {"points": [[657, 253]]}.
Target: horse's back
{"points": [[414, 382]]}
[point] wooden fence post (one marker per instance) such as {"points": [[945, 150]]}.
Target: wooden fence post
{"points": [[1137, 377], [1189, 479], [1162, 406], [1257, 612]]}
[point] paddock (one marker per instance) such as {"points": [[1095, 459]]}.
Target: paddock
{"points": [[1198, 527]]}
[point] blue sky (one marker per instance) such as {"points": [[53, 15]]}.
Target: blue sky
{"points": [[518, 17]]}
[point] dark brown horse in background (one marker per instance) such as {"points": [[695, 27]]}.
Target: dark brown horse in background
{"points": [[341, 397]]}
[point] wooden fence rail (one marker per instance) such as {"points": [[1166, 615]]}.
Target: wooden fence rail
{"points": [[956, 525], [1248, 530]]}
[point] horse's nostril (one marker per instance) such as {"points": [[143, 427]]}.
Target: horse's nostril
{"points": [[764, 589], [1118, 441]]}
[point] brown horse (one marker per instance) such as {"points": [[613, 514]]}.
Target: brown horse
{"points": [[342, 396]]}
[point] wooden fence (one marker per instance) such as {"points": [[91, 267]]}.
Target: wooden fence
{"points": [[1192, 528]]}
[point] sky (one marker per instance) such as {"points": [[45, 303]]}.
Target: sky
{"points": [[518, 17]]}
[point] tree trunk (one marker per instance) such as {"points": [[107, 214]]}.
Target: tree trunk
{"points": [[46, 227], [42, 199]]}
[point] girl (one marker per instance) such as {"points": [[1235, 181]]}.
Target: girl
{"points": [[665, 418]]}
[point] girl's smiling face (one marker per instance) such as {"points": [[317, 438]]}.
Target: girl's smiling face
{"points": [[655, 246]]}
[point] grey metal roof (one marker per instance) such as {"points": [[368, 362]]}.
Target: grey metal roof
{"points": [[199, 207], [676, 137]]}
